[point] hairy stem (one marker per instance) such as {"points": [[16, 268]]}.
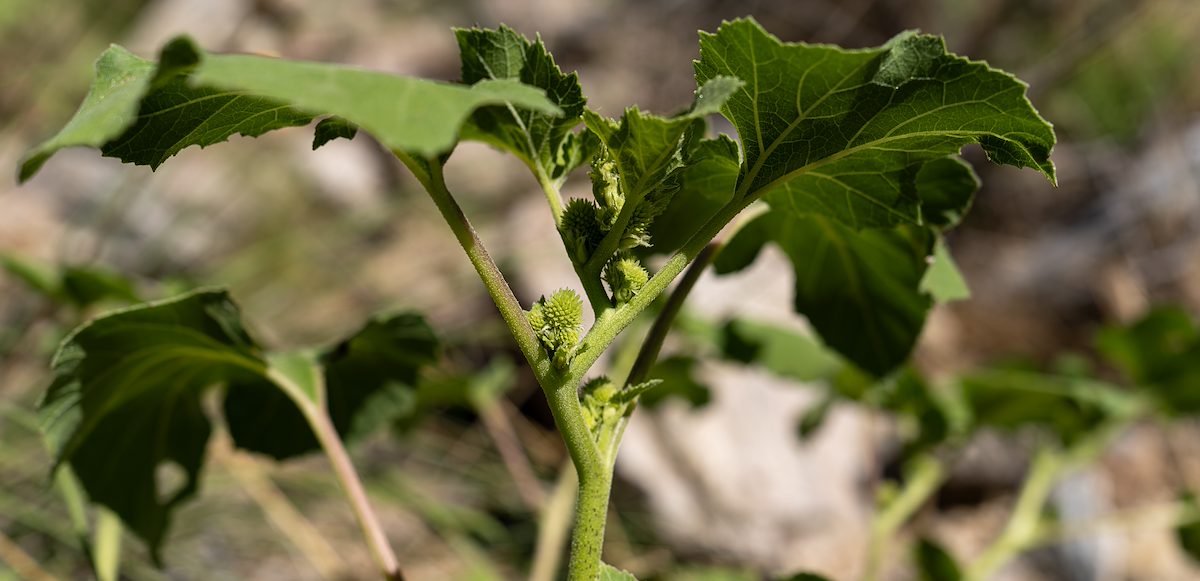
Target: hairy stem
{"points": [[553, 195], [497, 286], [925, 475], [591, 514]]}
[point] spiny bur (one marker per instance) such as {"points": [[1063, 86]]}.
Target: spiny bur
{"points": [[625, 277], [556, 320], [582, 228]]}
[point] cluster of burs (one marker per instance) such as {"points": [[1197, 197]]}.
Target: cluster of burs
{"points": [[586, 223]]}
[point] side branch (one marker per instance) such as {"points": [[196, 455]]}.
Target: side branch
{"points": [[497, 286]]}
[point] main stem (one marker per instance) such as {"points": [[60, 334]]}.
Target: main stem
{"points": [[561, 388]]}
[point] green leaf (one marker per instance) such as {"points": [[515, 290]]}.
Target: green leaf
{"points": [[543, 141], [79, 286], [125, 401], [369, 379], [1160, 353], [947, 188], [1069, 407], [647, 147], [942, 279], [934, 563], [859, 290], [144, 113], [844, 133], [781, 351], [331, 128], [610, 573], [84, 286], [678, 380], [39, 277], [706, 184]]}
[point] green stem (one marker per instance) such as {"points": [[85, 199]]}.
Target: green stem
{"points": [[591, 514], [653, 343], [553, 195], [1045, 468], [1025, 526], [339, 459], [107, 545], [925, 476], [497, 287]]}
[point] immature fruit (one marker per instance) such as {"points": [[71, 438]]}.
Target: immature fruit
{"points": [[581, 228], [625, 277], [556, 321]]}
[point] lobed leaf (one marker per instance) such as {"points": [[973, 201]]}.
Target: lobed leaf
{"points": [[844, 133], [144, 113], [126, 398], [543, 140]]}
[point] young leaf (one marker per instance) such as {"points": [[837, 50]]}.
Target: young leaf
{"points": [[368, 380], [543, 141], [125, 401], [843, 133], [647, 147], [942, 279], [610, 573], [144, 113], [859, 290]]}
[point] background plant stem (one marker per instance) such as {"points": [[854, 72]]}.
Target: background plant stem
{"points": [[926, 474]]}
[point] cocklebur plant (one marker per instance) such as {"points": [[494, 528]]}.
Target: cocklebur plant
{"points": [[848, 156]]}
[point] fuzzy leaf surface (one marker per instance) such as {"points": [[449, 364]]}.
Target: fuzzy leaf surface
{"points": [[543, 141], [844, 133], [144, 113]]}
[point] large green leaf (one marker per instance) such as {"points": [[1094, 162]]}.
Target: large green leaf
{"points": [[543, 141], [860, 290], [126, 398], [144, 113], [844, 133], [369, 379], [125, 401]]}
